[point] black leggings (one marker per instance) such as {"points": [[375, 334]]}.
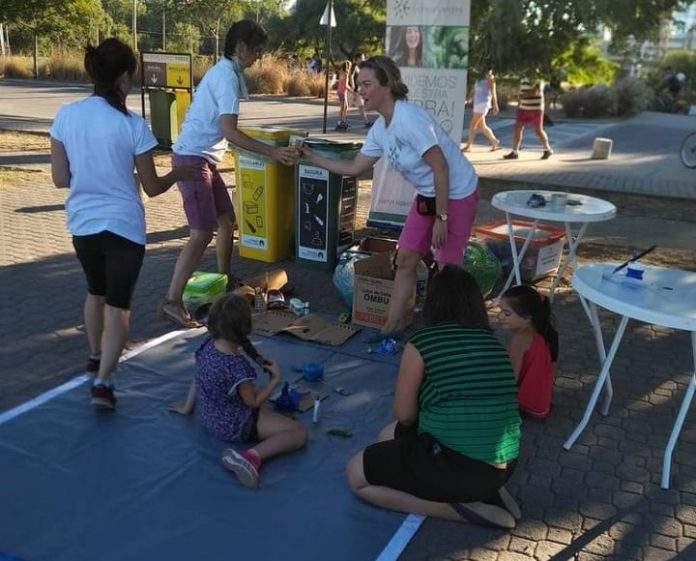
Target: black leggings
{"points": [[111, 264]]}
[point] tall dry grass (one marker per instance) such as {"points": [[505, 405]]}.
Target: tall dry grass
{"points": [[267, 76], [64, 67], [17, 67]]}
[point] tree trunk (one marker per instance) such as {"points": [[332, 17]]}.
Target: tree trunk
{"points": [[36, 55]]}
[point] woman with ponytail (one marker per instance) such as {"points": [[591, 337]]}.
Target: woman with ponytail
{"points": [[414, 144], [533, 349], [211, 122], [95, 145], [225, 396]]}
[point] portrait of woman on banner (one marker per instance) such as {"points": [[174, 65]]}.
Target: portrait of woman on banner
{"points": [[405, 45]]}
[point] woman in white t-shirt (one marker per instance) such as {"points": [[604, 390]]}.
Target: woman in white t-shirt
{"points": [[95, 144], [210, 123], [416, 146], [485, 99]]}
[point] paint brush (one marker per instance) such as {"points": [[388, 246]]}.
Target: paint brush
{"points": [[632, 259]]}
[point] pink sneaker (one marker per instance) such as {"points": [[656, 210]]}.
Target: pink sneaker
{"points": [[103, 397], [242, 466]]}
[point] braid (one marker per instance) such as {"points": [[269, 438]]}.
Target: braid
{"points": [[250, 350]]}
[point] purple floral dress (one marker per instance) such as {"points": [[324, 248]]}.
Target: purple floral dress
{"points": [[218, 404]]}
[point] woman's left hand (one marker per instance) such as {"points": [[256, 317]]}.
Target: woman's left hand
{"points": [[439, 233], [286, 155]]}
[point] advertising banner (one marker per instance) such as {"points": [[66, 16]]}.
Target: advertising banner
{"points": [[429, 40]]}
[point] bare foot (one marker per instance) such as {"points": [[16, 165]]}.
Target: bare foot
{"points": [[495, 145]]}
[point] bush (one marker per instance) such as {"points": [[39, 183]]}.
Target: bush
{"points": [[200, 64], [316, 85], [18, 67], [64, 68], [267, 77], [297, 85], [632, 96]]}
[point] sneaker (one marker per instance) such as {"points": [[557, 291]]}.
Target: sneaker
{"points": [[547, 154], [92, 366], [103, 397], [511, 156], [243, 468]]}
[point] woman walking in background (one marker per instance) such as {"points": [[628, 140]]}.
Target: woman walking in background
{"points": [[485, 99]]}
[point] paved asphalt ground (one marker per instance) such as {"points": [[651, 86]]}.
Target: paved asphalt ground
{"points": [[599, 501]]}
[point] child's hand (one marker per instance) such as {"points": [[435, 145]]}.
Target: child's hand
{"points": [[179, 407], [273, 369], [184, 173]]}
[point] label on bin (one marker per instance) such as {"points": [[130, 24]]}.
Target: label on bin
{"points": [[252, 214], [313, 213]]}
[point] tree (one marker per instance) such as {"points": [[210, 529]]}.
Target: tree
{"points": [[527, 35], [66, 22]]}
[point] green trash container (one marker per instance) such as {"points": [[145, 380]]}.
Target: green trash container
{"points": [[163, 116], [325, 206]]}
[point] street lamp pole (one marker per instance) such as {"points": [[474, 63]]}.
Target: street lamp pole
{"points": [[135, 25], [329, 10]]}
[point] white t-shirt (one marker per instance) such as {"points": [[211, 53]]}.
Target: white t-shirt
{"points": [[101, 144], [216, 95], [410, 134]]}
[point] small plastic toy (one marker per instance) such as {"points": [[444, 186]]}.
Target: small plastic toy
{"points": [[340, 432], [288, 400], [385, 347], [536, 201]]}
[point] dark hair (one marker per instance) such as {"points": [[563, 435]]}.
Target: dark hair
{"points": [[247, 31], [230, 319], [105, 65], [526, 302], [387, 74], [454, 296]]}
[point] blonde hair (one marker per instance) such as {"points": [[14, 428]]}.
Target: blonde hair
{"points": [[387, 74]]}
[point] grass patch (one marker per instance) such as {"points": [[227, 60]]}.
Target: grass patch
{"points": [[20, 141]]}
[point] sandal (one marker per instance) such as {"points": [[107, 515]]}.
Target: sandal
{"points": [[183, 319], [485, 514]]}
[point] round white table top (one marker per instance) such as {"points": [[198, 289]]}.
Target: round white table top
{"points": [[580, 208], [664, 297]]}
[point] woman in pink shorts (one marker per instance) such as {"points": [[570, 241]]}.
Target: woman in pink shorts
{"points": [[416, 146]]}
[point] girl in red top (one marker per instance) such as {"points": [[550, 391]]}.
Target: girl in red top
{"points": [[534, 346]]}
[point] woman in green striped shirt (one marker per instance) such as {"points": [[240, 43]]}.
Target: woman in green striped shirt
{"points": [[457, 432]]}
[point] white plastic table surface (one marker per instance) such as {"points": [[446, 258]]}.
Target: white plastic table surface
{"points": [[580, 209], [665, 297]]}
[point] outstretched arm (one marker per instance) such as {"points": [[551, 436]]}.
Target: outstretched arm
{"points": [[153, 184], [187, 407], [357, 166], [282, 154]]}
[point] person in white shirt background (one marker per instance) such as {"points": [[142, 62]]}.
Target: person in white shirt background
{"points": [[416, 146]]}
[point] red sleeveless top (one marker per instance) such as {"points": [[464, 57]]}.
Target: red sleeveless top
{"points": [[535, 381]]}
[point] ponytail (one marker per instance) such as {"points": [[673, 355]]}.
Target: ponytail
{"points": [[230, 319], [526, 302]]}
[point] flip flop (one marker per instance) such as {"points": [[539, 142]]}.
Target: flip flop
{"points": [[485, 514], [182, 321]]}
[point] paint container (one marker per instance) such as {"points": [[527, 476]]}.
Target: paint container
{"points": [[315, 411]]}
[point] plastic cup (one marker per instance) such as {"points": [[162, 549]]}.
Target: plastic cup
{"points": [[559, 201]]}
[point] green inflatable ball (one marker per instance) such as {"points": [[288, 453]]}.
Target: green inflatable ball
{"points": [[485, 267]]}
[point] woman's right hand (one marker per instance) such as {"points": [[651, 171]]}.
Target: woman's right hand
{"points": [[286, 155], [184, 173]]}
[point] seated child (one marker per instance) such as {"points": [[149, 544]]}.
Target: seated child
{"points": [[225, 396], [534, 346]]}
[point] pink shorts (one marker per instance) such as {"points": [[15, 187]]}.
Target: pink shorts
{"points": [[205, 197], [531, 117], [417, 234]]}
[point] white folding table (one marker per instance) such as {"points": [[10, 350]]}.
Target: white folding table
{"points": [[580, 209], [665, 297]]}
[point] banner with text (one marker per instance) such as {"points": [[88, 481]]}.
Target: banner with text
{"points": [[429, 40]]}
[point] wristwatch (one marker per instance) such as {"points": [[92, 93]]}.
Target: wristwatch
{"points": [[443, 216]]}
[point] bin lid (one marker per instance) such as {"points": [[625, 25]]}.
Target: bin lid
{"points": [[336, 149], [275, 136]]}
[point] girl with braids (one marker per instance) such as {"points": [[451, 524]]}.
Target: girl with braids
{"points": [[414, 144], [533, 348], [210, 123], [95, 144], [226, 399]]}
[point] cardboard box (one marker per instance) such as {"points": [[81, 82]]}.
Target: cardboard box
{"points": [[373, 285], [309, 328], [543, 254]]}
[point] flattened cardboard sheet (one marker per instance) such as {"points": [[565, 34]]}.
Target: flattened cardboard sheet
{"points": [[309, 328]]}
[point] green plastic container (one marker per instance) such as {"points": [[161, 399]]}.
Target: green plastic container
{"points": [[325, 206], [203, 288], [163, 116]]}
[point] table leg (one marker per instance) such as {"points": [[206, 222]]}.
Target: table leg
{"points": [[599, 341], [601, 379], [573, 243], [683, 410], [517, 258]]}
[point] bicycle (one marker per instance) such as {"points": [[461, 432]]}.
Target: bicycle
{"points": [[687, 152]]}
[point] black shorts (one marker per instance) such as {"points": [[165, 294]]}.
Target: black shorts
{"points": [[418, 465], [254, 432], [111, 264]]}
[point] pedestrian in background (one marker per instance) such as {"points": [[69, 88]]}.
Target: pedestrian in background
{"points": [[485, 99], [530, 112]]}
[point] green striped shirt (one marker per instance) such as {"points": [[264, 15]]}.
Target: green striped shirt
{"points": [[468, 397]]}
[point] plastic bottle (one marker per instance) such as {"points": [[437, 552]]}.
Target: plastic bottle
{"points": [[315, 411]]}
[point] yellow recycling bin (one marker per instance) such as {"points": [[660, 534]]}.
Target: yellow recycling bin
{"points": [[265, 199]]}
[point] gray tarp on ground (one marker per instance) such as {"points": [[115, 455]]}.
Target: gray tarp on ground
{"points": [[145, 484]]}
